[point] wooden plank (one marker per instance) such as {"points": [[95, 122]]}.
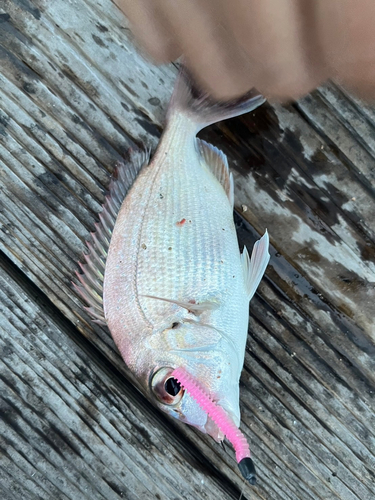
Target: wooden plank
{"points": [[303, 220], [71, 104], [72, 428]]}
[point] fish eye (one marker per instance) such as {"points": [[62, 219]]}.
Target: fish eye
{"points": [[172, 386], [166, 388]]}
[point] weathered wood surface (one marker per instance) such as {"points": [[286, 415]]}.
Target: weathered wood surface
{"points": [[74, 96], [71, 427]]}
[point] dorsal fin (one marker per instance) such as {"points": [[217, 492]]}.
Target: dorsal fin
{"points": [[218, 164], [255, 267], [91, 279]]}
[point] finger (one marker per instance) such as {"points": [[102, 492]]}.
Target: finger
{"points": [[276, 36], [347, 30], [151, 29], [211, 52]]}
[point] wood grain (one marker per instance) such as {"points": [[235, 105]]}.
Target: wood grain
{"points": [[74, 96], [72, 427]]}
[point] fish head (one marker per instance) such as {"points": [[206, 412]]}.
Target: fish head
{"points": [[204, 353]]}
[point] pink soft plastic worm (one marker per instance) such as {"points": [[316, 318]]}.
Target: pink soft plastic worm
{"points": [[222, 420]]}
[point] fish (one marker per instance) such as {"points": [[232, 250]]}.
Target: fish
{"points": [[164, 271]]}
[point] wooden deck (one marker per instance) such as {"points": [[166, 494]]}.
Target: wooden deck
{"points": [[74, 96]]}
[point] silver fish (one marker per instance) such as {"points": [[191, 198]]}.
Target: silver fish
{"points": [[176, 289]]}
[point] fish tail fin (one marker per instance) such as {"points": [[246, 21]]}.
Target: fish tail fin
{"points": [[202, 109]]}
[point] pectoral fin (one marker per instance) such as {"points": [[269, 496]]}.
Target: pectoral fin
{"points": [[255, 267], [196, 309]]}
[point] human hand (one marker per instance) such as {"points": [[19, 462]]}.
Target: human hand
{"points": [[284, 48]]}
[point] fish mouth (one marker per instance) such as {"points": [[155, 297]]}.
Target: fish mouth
{"points": [[213, 430]]}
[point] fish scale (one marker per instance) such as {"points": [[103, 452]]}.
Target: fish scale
{"points": [[192, 268]]}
